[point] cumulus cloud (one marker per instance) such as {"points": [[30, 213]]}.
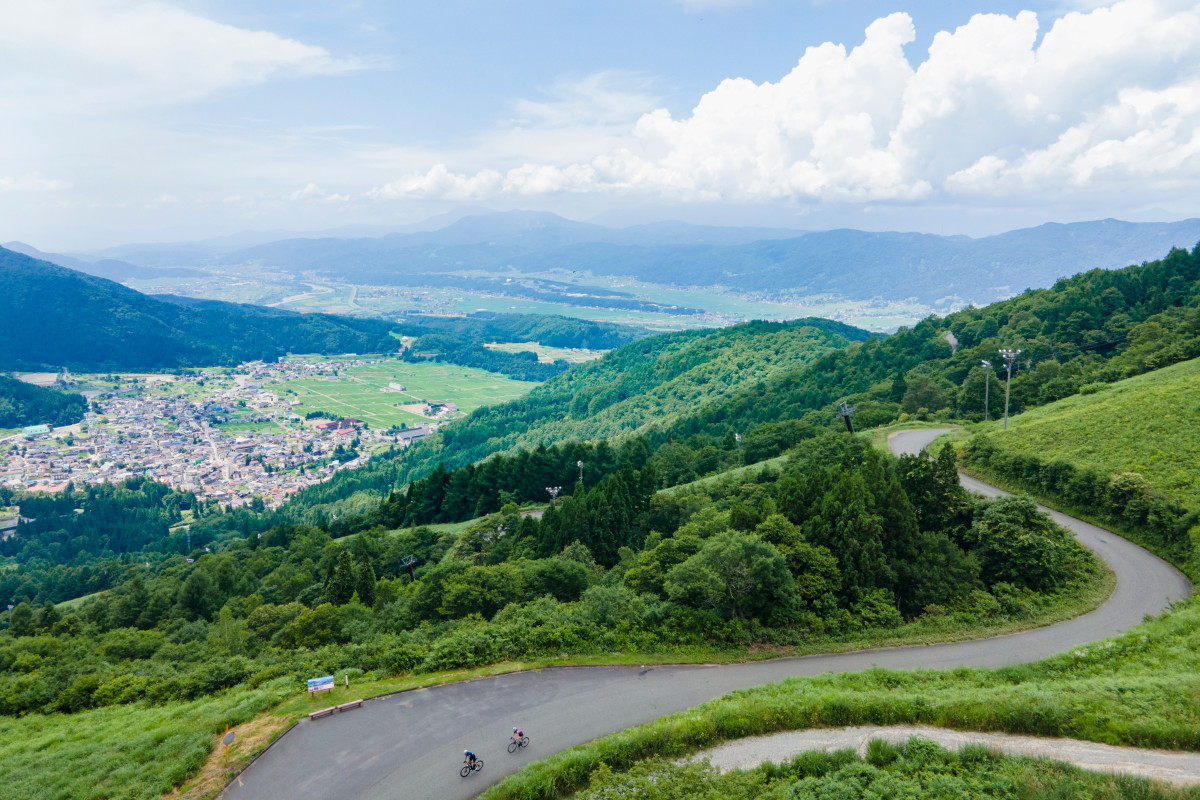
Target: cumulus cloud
{"points": [[103, 55], [1108, 98]]}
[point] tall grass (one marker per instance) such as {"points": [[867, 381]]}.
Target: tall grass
{"points": [[129, 752]]}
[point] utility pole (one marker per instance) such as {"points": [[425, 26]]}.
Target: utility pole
{"points": [[987, 373], [580, 465], [1010, 357], [737, 437]]}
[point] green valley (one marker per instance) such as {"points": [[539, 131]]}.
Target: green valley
{"points": [[706, 504]]}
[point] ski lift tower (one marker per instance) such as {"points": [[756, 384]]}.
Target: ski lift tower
{"points": [[407, 563], [844, 411]]}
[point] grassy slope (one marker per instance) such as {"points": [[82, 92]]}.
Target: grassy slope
{"points": [[1148, 424]]}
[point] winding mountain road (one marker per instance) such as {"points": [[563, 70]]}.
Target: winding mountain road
{"points": [[409, 745]]}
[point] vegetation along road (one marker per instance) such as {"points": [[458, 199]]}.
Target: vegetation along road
{"points": [[409, 745]]}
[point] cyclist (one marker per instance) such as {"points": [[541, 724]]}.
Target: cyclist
{"points": [[517, 735], [469, 758]]}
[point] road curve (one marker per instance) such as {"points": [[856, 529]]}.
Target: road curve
{"points": [[409, 745]]}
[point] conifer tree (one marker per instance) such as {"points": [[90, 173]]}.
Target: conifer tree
{"points": [[366, 580], [340, 587]]}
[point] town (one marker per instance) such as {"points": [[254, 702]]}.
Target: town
{"points": [[235, 436]]}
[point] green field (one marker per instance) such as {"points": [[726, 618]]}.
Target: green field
{"points": [[356, 392], [548, 355], [1149, 424]]}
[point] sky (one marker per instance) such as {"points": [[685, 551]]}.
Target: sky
{"points": [[126, 120]]}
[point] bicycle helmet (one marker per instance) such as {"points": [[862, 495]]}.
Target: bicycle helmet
{"points": [[514, 729], [465, 752]]}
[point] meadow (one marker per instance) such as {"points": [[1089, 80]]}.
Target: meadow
{"points": [[547, 354], [1148, 424], [356, 392]]}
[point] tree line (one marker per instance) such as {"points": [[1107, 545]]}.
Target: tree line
{"points": [[834, 540]]}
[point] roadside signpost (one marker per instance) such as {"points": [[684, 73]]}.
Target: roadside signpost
{"points": [[320, 684], [228, 741]]}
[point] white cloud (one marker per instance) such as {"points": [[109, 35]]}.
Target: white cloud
{"points": [[29, 183], [103, 55], [1108, 100]]}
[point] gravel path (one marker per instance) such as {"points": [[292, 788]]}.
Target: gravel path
{"points": [[1179, 768]]}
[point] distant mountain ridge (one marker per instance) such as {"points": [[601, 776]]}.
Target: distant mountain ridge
{"points": [[853, 264], [110, 268], [55, 317]]}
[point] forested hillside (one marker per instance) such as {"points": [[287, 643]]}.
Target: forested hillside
{"points": [[841, 541], [1099, 326], [646, 384], [25, 404], [56, 317], [696, 390]]}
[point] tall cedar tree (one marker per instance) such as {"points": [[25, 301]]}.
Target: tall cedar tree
{"points": [[366, 580], [340, 587]]}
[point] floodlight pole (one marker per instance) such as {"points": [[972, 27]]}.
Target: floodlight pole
{"points": [[987, 374], [553, 490], [737, 437], [580, 465], [1010, 356]]}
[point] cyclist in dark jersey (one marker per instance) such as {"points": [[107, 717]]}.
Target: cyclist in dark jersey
{"points": [[469, 758]]}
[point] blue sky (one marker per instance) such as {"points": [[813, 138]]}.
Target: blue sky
{"points": [[130, 120]]}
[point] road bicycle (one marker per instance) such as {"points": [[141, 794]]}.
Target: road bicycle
{"points": [[512, 746], [468, 769]]}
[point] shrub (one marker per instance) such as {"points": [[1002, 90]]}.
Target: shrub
{"points": [[120, 690]]}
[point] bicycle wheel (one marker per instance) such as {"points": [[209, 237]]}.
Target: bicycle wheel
{"points": [[512, 747], [524, 741], [465, 771], [478, 764]]}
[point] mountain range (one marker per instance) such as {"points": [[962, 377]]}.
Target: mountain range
{"points": [[852, 264], [113, 269]]}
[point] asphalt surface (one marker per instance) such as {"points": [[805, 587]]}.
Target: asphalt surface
{"points": [[409, 746]]}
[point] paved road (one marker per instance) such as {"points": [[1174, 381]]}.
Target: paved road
{"points": [[409, 745]]}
